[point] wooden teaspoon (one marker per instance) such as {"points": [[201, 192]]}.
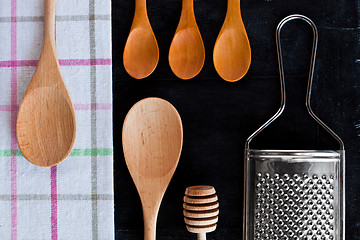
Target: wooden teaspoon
{"points": [[152, 141], [232, 53], [141, 53], [46, 125], [187, 51]]}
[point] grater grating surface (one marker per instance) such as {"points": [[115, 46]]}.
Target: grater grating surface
{"points": [[294, 206], [293, 194]]}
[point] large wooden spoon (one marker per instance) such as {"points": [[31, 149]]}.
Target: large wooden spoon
{"points": [[187, 51], [46, 125], [141, 53], [232, 53], [152, 141]]}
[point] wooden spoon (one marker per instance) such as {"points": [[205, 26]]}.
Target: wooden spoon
{"points": [[232, 53], [187, 51], [46, 125], [152, 141], [141, 53]]}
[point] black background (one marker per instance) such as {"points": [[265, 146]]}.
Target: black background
{"points": [[219, 116]]}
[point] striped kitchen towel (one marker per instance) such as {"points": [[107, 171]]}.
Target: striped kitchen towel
{"points": [[75, 199]]}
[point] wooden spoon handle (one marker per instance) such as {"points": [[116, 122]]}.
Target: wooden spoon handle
{"points": [[233, 10], [141, 10], [188, 7], [150, 218], [233, 5], [49, 21], [187, 14]]}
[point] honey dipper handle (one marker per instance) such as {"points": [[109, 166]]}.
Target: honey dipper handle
{"points": [[202, 236]]}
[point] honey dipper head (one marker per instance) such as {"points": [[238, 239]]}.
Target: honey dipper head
{"points": [[201, 209]]}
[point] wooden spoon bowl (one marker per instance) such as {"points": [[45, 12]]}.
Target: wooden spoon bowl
{"points": [[232, 53], [38, 141], [141, 53], [187, 51], [152, 141]]}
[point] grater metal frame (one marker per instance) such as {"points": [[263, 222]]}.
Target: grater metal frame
{"points": [[298, 155]]}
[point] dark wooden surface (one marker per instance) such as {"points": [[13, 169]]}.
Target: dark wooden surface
{"points": [[219, 116]]}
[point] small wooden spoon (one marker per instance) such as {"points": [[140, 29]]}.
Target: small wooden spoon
{"points": [[232, 53], [187, 51], [152, 141], [141, 53], [46, 125]]}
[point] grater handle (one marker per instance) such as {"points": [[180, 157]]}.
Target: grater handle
{"points": [[282, 81]]}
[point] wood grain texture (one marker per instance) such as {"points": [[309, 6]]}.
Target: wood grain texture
{"points": [[152, 143], [46, 125], [201, 200], [200, 191], [199, 220], [202, 207], [187, 51], [232, 53], [141, 53]]}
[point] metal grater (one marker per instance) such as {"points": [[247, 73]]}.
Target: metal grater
{"points": [[294, 194]]}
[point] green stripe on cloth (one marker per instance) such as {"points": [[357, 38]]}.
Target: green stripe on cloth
{"points": [[5, 153], [74, 152]]}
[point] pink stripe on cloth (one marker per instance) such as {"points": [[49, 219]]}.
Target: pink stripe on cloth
{"points": [[18, 63], [13, 199], [78, 107], [5, 108], [53, 183], [13, 168], [12, 108], [62, 62]]}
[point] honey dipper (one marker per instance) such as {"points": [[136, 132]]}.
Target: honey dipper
{"points": [[201, 210]]}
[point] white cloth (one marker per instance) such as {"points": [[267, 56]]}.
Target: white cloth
{"points": [[75, 199]]}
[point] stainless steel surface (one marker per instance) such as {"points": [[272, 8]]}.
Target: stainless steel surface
{"points": [[294, 194]]}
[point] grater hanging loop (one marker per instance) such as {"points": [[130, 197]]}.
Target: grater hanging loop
{"points": [[282, 80]]}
